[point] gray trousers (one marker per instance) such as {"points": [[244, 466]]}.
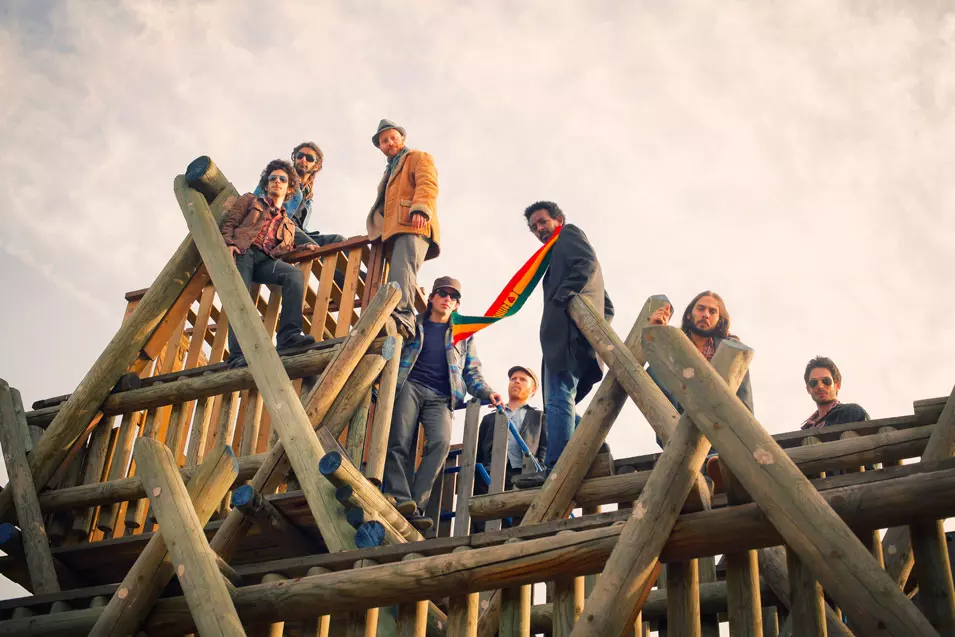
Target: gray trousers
{"points": [[407, 255], [416, 403]]}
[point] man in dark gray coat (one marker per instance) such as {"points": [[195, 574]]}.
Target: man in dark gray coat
{"points": [[570, 364]]}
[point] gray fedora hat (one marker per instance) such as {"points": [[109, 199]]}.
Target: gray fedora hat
{"points": [[384, 125]]}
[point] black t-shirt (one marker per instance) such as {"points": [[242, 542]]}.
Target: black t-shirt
{"points": [[431, 368]]}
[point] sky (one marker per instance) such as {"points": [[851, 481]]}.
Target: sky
{"points": [[794, 157]]}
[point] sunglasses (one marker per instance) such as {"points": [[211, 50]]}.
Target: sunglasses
{"points": [[825, 381], [306, 156], [445, 294], [282, 178]]}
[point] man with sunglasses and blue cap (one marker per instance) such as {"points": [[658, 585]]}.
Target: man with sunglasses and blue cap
{"points": [[433, 377], [258, 233], [823, 382]]}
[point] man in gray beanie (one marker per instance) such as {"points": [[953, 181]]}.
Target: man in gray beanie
{"points": [[405, 215]]}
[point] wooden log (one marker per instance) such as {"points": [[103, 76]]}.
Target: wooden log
{"points": [[340, 472], [78, 411], [770, 621], [109, 517], [154, 568], [796, 509], [289, 418], [683, 598], [273, 469], [195, 564], [568, 604], [93, 473], [498, 464], [742, 577], [807, 609], [463, 609], [413, 616], [358, 430], [515, 612], [362, 623], [36, 544], [627, 580], [317, 627], [269, 519], [934, 572], [384, 409], [546, 557], [897, 545], [11, 543], [465, 486]]}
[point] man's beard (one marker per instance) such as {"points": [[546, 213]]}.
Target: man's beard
{"points": [[701, 332], [302, 173], [822, 402]]}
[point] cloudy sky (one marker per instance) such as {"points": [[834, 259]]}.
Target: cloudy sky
{"points": [[795, 157]]}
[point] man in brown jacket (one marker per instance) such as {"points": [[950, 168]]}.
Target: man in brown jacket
{"points": [[405, 215], [259, 233]]}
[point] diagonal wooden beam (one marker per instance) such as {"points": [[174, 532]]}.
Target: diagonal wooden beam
{"points": [[288, 416], [75, 415], [634, 565], [203, 586], [145, 581], [794, 507]]}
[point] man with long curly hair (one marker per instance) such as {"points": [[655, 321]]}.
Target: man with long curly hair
{"points": [[259, 233]]}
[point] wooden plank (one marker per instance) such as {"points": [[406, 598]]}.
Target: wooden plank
{"points": [[498, 463], [93, 473], [795, 508], [195, 564], [384, 409], [347, 305], [462, 516], [36, 545], [324, 296], [153, 569]]}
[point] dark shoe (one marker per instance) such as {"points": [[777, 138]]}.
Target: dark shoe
{"points": [[295, 340], [531, 480], [236, 361], [604, 448], [406, 507], [421, 522]]}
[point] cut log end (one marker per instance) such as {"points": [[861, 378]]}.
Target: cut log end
{"points": [[330, 463]]}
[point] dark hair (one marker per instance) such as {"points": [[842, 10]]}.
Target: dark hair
{"points": [[552, 209], [319, 155], [280, 164], [722, 328], [825, 363]]}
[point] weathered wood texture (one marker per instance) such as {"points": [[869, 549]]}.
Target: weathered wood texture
{"points": [[381, 425], [468, 460], [36, 545], [796, 509], [683, 598], [194, 562], [154, 569], [75, 415], [743, 599], [934, 572]]}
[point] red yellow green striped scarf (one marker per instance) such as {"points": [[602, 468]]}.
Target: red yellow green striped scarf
{"points": [[511, 298]]}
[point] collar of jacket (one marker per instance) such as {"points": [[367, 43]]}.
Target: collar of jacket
{"points": [[265, 202], [396, 163]]}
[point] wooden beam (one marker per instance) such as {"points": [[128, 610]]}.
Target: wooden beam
{"points": [[36, 544], [79, 410], [795, 508], [270, 519], [384, 409], [153, 570], [743, 598], [934, 572], [462, 514], [195, 564], [633, 568]]}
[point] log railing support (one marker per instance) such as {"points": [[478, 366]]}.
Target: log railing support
{"points": [[384, 408], [743, 598], [463, 610], [934, 572], [413, 616], [465, 486], [146, 580], [683, 598], [800, 514]]}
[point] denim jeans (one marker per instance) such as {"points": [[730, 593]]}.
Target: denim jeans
{"points": [[560, 389], [406, 254], [257, 267], [416, 403]]}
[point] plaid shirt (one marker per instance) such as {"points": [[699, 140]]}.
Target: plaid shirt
{"points": [[709, 350], [815, 420], [267, 239], [464, 366]]}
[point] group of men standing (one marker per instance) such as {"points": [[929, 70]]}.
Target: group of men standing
{"points": [[267, 224]]}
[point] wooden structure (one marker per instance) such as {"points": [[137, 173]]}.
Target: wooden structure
{"points": [[169, 494]]}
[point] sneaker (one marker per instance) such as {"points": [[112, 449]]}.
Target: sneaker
{"points": [[531, 480], [295, 340], [421, 522], [236, 361], [406, 507]]}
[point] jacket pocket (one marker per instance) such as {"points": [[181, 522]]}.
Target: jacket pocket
{"points": [[404, 212]]}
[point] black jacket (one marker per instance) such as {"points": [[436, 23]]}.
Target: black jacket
{"points": [[843, 413], [533, 431], [574, 269]]}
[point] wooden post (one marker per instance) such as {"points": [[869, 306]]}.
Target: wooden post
{"points": [[270, 519], [462, 515], [789, 501], [109, 516], [21, 488], [807, 606], [463, 609], [683, 598], [319, 400], [362, 623], [317, 627], [78, 411], [288, 416], [630, 574], [146, 580], [934, 572], [498, 463], [515, 612], [743, 598], [381, 425], [412, 616], [568, 604], [770, 621], [358, 430], [897, 545], [555, 499]]}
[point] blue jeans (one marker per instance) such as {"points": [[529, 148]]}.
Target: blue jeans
{"points": [[560, 388]]}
